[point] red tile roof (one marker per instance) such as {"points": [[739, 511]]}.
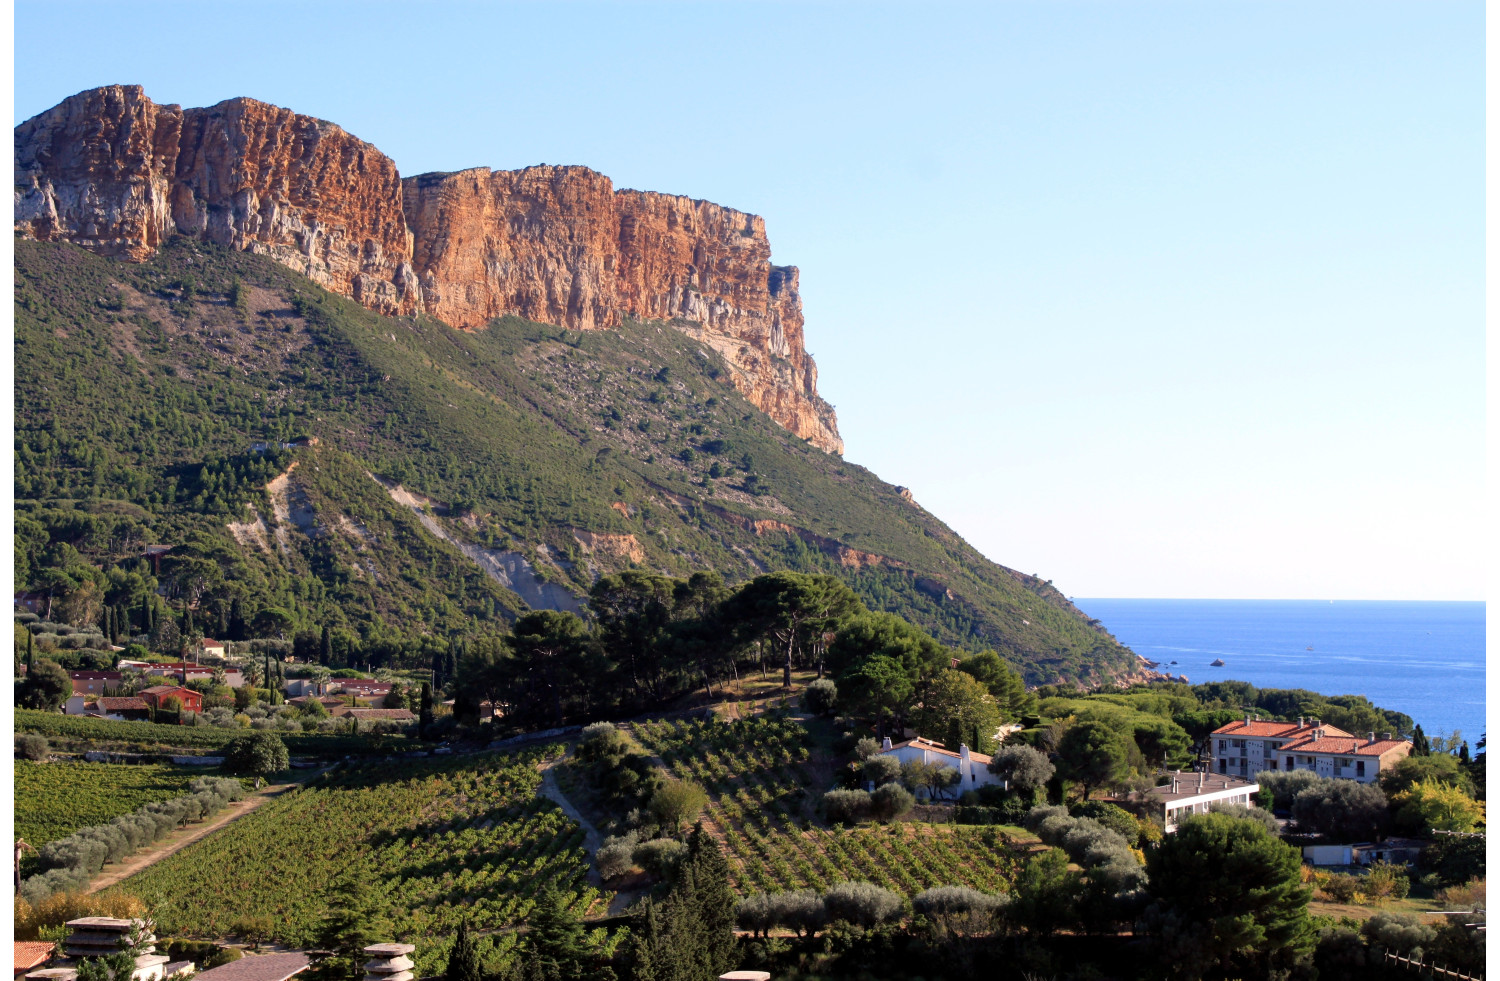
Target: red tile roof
{"points": [[1339, 746], [30, 953], [94, 675], [164, 689], [1259, 729]]}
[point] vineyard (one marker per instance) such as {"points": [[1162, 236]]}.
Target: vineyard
{"points": [[90, 733], [53, 800], [435, 842], [761, 807]]}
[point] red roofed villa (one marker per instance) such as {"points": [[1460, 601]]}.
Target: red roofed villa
{"points": [[1245, 748]]}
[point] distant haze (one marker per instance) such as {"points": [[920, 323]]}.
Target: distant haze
{"points": [[1153, 299]]}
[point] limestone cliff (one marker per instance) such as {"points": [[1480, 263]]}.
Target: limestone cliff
{"points": [[113, 172]]}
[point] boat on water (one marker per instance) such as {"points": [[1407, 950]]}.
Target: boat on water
{"points": [[1217, 662], [1309, 648], [1174, 662]]}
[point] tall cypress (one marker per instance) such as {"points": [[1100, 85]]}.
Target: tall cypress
{"points": [[30, 660], [1419, 744], [325, 647], [713, 900], [463, 958]]}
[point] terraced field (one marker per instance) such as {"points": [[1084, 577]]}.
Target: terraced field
{"points": [[762, 806]]}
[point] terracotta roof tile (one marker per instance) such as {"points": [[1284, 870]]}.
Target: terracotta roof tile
{"points": [[1338, 746], [30, 953], [1261, 729]]}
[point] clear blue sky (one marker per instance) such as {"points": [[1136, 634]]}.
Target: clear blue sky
{"points": [[1153, 299]]}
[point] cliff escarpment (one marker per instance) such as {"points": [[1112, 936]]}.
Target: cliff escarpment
{"points": [[115, 173]]}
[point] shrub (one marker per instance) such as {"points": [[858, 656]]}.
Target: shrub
{"points": [[1340, 888], [598, 741], [1037, 815], [1258, 814], [1400, 933], [820, 697], [959, 909], [617, 855], [1115, 818], [846, 806], [861, 904], [881, 769], [1386, 881], [890, 801], [32, 747], [659, 857], [801, 910], [866, 748]]}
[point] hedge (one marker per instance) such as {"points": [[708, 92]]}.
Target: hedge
{"points": [[53, 725]]}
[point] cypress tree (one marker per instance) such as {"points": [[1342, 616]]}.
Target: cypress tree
{"points": [[1419, 744], [463, 958], [424, 715], [714, 901], [30, 659], [325, 649], [108, 624]]}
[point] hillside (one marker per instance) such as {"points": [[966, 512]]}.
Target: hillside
{"points": [[436, 479]]}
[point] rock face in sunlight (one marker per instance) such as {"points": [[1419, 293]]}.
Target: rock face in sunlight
{"points": [[115, 173]]}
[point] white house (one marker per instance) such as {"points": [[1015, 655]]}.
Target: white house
{"points": [[1245, 748], [1186, 794], [973, 768]]}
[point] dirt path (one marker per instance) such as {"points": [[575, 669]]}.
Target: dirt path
{"points": [[178, 840], [591, 837]]}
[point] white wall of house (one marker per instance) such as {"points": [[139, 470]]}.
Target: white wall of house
{"points": [[1178, 810], [972, 773], [73, 706], [1346, 766]]}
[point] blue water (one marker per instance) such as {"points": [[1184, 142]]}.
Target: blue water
{"points": [[1424, 659]]}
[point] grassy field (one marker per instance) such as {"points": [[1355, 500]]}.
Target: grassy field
{"points": [[432, 843]]}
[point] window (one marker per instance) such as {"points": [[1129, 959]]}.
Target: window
{"points": [[1221, 745], [1223, 766], [1273, 762], [1289, 764], [1359, 768]]}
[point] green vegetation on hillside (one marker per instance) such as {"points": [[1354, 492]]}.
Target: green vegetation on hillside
{"points": [[151, 411]]}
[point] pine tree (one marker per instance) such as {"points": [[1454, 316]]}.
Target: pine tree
{"points": [[350, 925], [463, 959], [555, 938]]}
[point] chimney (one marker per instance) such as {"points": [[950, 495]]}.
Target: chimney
{"points": [[1200, 781], [1385, 735], [1247, 720], [1317, 734], [963, 751], [1301, 722], [885, 744], [1175, 785], [388, 962], [1372, 737]]}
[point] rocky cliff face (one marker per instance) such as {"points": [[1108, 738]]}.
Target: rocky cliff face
{"points": [[113, 172]]}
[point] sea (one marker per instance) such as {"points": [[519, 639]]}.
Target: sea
{"points": [[1422, 658]]}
